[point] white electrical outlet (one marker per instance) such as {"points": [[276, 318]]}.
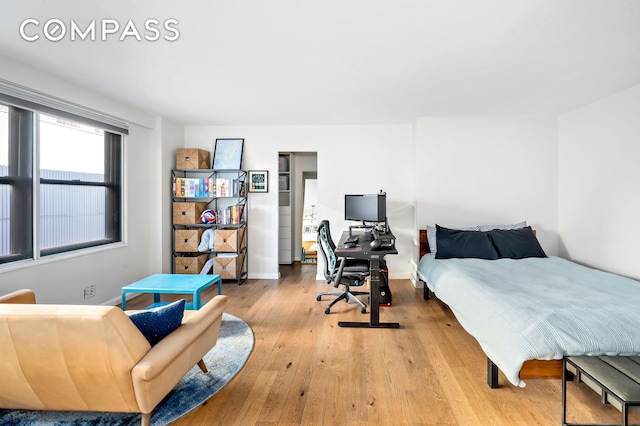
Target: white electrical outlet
{"points": [[89, 292]]}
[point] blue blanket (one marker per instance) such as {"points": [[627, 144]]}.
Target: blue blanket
{"points": [[537, 308]]}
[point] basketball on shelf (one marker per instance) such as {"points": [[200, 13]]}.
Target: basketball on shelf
{"points": [[208, 216]]}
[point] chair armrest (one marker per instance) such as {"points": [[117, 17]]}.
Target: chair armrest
{"points": [[25, 297]]}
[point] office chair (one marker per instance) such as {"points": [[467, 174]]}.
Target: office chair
{"points": [[354, 273]]}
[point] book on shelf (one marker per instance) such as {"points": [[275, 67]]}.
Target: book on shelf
{"points": [[207, 187], [232, 215], [225, 187], [193, 187]]}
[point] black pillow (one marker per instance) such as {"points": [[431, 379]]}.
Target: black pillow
{"points": [[516, 243], [464, 244]]}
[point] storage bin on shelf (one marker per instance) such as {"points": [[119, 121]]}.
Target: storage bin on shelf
{"points": [[190, 264], [192, 158], [188, 240], [187, 213], [228, 265], [229, 239]]}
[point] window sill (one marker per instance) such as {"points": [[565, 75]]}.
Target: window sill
{"points": [[29, 263]]}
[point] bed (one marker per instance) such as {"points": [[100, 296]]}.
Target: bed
{"points": [[527, 313]]}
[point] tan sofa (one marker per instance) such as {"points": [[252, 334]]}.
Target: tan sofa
{"points": [[93, 358]]}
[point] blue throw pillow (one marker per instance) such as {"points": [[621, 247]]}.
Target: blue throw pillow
{"points": [[157, 323]]}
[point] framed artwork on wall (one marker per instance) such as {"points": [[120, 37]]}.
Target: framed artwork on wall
{"points": [[227, 154], [258, 181]]}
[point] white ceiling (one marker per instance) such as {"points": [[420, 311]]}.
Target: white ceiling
{"points": [[340, 61]]}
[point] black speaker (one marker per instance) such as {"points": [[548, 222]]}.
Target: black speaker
{"points": [[385, 291]]}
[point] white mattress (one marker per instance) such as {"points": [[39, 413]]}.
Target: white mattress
{"points": [[537, 308]]}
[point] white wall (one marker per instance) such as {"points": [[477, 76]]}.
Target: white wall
{"points": [[62, 278], [166, 137], [488, 170], [599, 205], [45, 82], [350, 159]]}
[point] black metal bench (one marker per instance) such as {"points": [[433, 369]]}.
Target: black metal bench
{"points": [[618, 378]]}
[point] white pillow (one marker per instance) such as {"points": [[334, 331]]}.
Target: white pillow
{"points": [[486, 228], [431, 238]]}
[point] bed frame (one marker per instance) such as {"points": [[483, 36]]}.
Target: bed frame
{"points": [[531, 369]]}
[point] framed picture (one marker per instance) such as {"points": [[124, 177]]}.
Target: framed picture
{"points": [[258, 181], [227, 154]]}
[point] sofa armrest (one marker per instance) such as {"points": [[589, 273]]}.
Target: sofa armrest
{"points": [[24, 296], [168, 361], [172, 346]]}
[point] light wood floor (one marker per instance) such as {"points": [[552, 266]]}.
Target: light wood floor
{"points": [[305, 370]]}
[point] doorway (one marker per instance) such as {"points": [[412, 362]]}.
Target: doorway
{"points": [[309, 231], [298, 201]]}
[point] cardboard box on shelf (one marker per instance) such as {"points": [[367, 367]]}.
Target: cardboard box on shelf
{"points": [[187, 240], [228, 265], [229, 239], [190, 264], [188, 213], [192, 158]]}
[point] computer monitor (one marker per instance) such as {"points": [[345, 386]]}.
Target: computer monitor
{"points": [[366, 207]]}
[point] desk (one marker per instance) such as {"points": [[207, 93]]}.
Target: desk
{"points": [[172, 284], [364, 251]]}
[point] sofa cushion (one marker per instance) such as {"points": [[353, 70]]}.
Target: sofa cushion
{"points": [[157, 323]]}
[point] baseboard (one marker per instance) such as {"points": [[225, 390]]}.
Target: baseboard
{"points": [[399, 276], [417, 282], [118, 300]]}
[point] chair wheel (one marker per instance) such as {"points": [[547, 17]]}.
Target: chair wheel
{"points": [[327, 311], [318, 298], [363, 310]]}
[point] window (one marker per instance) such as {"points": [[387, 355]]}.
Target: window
{"points": [[4, 186], [16, 184], [77, 206], [73, 198]]}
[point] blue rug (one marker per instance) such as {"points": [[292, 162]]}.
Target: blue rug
{"points": [[235, 343]]}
